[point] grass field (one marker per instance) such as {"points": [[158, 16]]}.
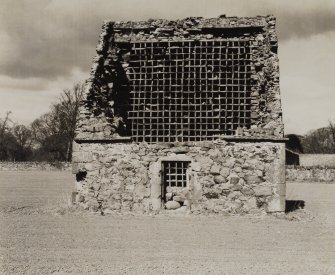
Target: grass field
{"points": [[41, 235]]}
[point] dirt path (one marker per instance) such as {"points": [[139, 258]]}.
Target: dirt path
{"points": [[37, 239]]}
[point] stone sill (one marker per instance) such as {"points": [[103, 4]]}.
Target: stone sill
{"points": [[222, 138], [254, 139], [195, 28], [104, 140]]}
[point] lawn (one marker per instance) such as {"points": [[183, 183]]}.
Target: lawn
{"points": [[41, 235]]}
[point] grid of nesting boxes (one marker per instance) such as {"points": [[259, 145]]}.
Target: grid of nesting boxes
{"points": [[188, 90]]}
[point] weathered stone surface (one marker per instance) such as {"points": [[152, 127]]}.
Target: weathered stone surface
{"points": [[225, 186], [141, 191], [78, 167], [195, 166], [170, 205], [238, 169], [233, 206], [251, 203], [251, 179], [92, 166], [219, 179], [225, 172], [251, 207], [236, 187], [149, 158], [247, 191], [80, 198], [187, 203], [262, 191], [92, 205], [179, 149], [229, 162], [281, 189], [196, 191], [181, 209], [234, 179], [276, 204], [81, 156], [211, 195], [168, 196], [205, 162], [233, 195], [109, 159], [180, 199], [215, 169]]}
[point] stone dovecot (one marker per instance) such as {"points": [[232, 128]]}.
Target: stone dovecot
{"points": [[183, 115]]}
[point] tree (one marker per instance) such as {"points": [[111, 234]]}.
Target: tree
{"points": [[54, 131], [68, 111], [7, 141], [23, 137], [320, 141], [332, 131]]}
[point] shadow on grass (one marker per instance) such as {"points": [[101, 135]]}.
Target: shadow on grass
{"points": [[293, 205]]}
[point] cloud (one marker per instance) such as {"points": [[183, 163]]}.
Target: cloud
{"points": [[28, 98], [49, 38], [44, 42], [28, 84]]}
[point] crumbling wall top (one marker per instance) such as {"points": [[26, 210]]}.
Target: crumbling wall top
{"points": [[197, 22]]}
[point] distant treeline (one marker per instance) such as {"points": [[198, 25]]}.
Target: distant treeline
{"points": [[47, 138], [319, 141]]}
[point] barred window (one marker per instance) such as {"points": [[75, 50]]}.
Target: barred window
{"points": [[175, 173]]}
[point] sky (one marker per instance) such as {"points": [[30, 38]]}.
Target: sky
{"points": [[47, 45]]}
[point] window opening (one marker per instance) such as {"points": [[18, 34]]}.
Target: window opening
{"points": [[175, 177]]}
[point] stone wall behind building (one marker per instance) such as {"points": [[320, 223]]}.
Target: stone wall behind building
{"points": [[225, 177], [34, 166], [310, 174], [315, 160]]}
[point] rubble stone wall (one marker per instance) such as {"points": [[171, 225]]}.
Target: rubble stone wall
{"points": [[310, 174], [34, 166], [314, 160], [225, 177]]}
